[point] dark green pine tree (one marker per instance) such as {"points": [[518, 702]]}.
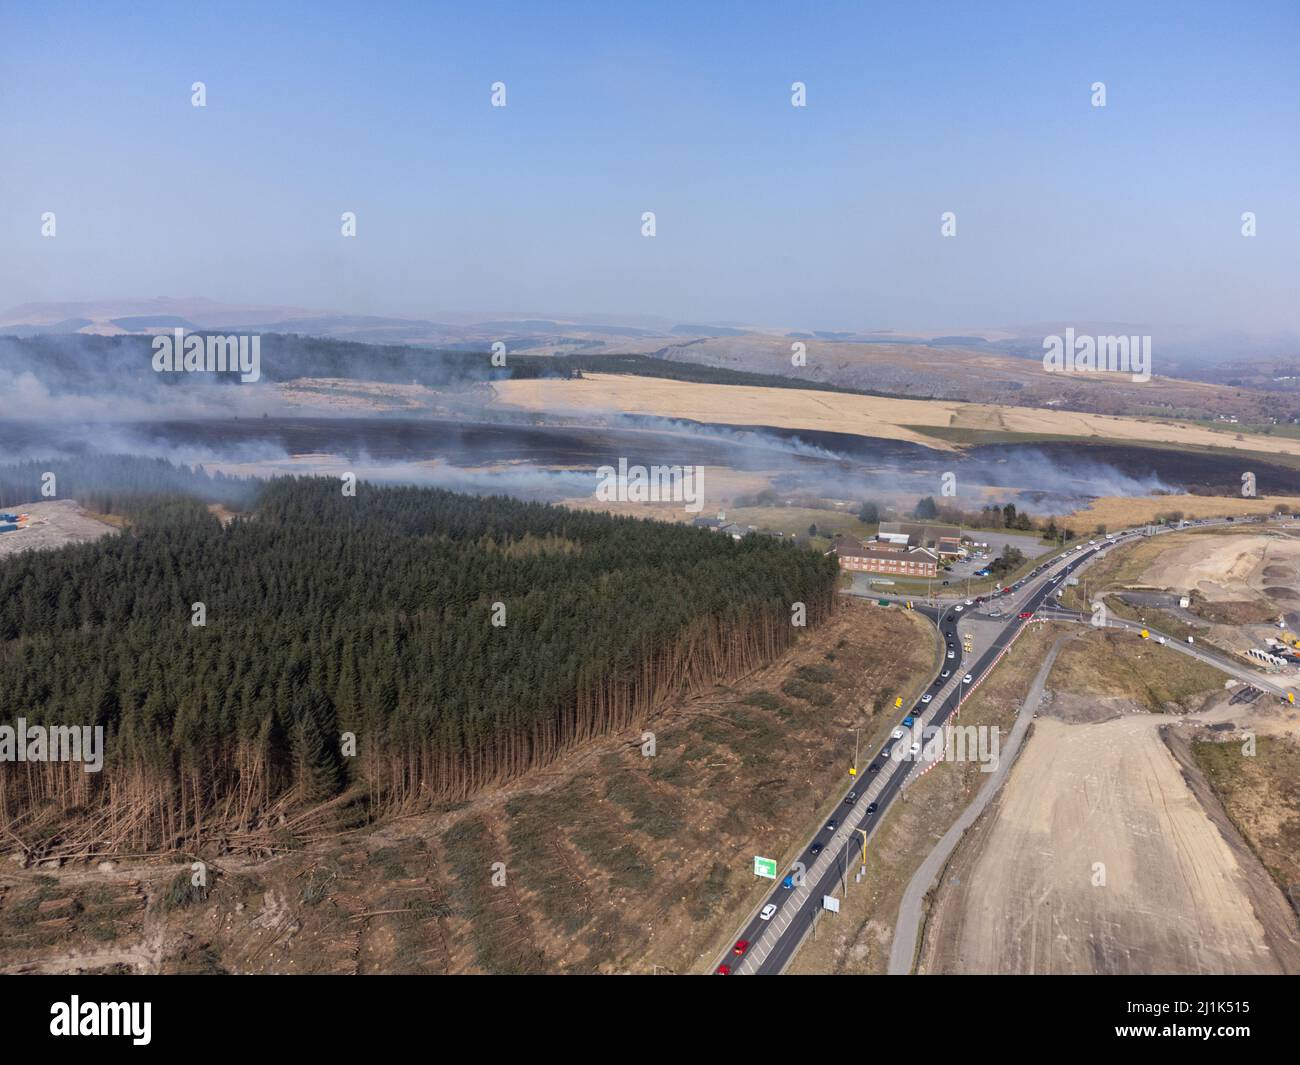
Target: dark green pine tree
{"points": [[318, 768]]}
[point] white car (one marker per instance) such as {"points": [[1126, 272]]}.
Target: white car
{"points": [[970, 602], [925, 698], [952, 654], [916, 749], [767, 912], [958, 608], [966, 679], [898, 733]]}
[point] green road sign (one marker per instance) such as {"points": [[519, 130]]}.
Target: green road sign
{"points": [[765, 867]]}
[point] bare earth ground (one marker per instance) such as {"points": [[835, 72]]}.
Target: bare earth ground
{"points": [[1228, 568], [613, 862], [1097, 793], [875, 416], [54, 523]]}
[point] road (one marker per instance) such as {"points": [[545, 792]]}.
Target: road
{"points": [[773, 943], [907, 928], [1221, 662]]}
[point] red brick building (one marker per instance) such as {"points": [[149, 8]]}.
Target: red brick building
{"points": [[917, 562]]}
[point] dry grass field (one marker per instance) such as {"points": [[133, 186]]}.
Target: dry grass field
{"points": [[886, 418], [1261, 793], [786, 408], [1122, 512], [972, 375]]}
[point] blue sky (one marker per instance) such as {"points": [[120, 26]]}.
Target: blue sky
{"points": [[821, 217]]}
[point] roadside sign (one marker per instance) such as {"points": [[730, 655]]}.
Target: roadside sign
{"points": [[830, 902], [765, 867]]}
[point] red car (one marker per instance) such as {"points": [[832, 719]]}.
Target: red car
{"points": [[741, 946], [1026, 614], [723, 970]]}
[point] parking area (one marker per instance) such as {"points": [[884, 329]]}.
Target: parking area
{"points": [[949, 582], [1026, 543]]}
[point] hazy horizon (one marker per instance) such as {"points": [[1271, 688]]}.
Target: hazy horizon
{"points": [[822, 217]]}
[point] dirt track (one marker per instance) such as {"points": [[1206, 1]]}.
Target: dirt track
{"points": [[1022, 895]]}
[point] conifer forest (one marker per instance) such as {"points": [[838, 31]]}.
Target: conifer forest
{"points": [[304, 657]]}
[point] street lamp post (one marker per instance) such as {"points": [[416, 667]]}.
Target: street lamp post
{"points": [[863, 833]]}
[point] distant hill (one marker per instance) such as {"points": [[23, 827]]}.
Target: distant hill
{"points": [[100, 314], [1234, 376], [67, 325], [153, 321], [707, 331]]}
